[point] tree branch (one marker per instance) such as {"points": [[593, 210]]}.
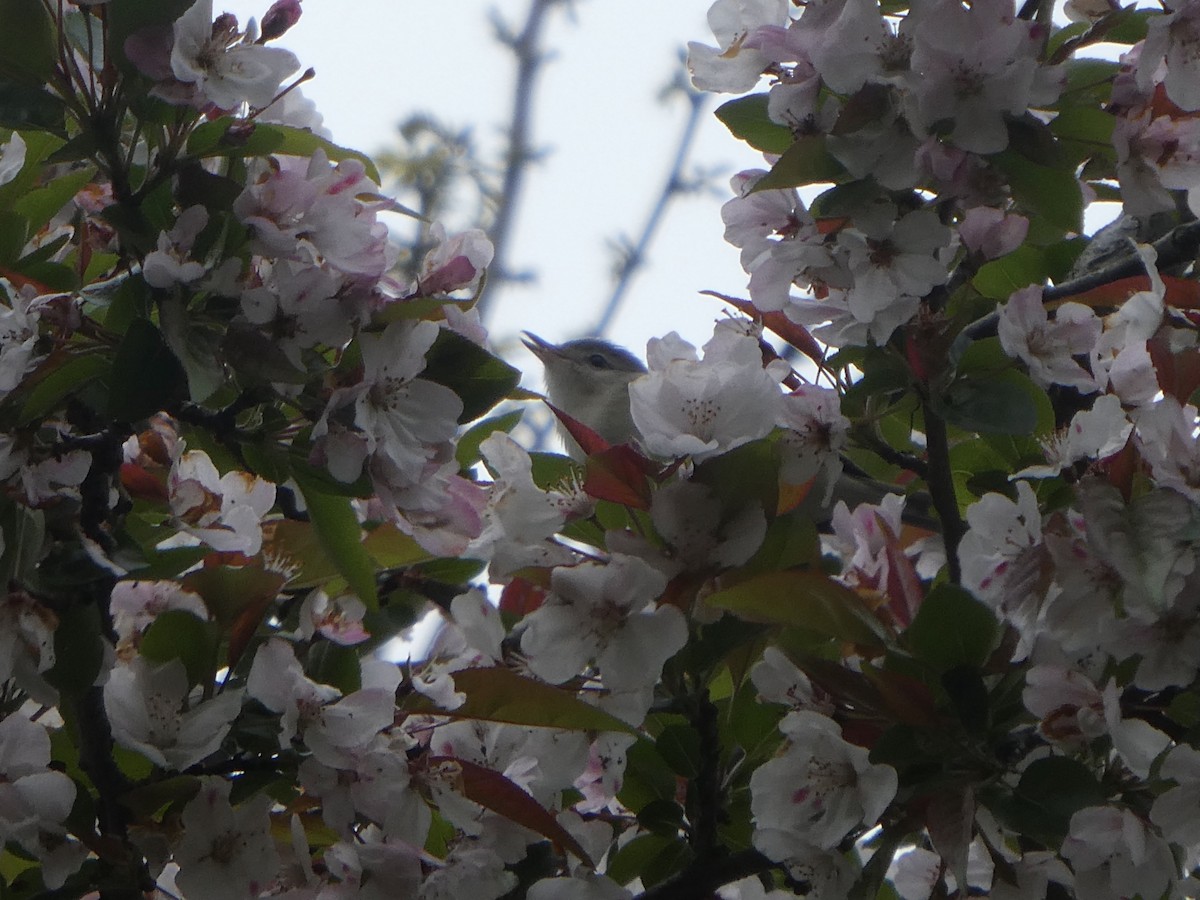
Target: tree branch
{"points": [[525, 46], [940, 479], [1177, 246], [672, 185]]}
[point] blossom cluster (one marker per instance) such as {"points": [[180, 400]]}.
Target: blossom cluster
{"points": [[917, 619]]}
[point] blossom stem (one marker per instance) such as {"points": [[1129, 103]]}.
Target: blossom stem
{"points": [[941, 489]]}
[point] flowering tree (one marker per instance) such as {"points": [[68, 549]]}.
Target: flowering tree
{"points": [[239, 455]]}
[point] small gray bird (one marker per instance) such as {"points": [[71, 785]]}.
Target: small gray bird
{"points": [[589, 380]]}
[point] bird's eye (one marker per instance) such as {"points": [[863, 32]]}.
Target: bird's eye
{"points": [[599, 361]]}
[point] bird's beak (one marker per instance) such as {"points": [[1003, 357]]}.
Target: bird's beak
{"points": [[542, 349]]}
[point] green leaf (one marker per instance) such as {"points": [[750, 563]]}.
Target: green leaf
{"points": [[340, 536], [791, 541], [24, 106], [1050, 791], [467, 453], [1086, 130], [651, 857], [41, 204], [66, 376], [501, 695], [169, 563], [1049, 193], [999, 278], [747, 119], [647, 777], [179, 634], [330, 663], [807, 161], [27, 41], [952, 629], [216, 138], [24, 531], [749, 473], [145, 377], [664, 817], [810, 600], [197, 347], [228, 591], [258, 358], [480, 379], [38, 146], [1005, 402], [679, 745], [14, 232]]}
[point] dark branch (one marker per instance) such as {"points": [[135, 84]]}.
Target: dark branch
{"points": [[1177, 246], [635, 258]]}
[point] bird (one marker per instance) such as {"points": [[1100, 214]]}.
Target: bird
{"points": [[589, 379]]}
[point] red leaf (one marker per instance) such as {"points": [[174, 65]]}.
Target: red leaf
{"points": [[908, 700], [903, 586], [521, 597], [589, 441], [950, 820], [619, 474], [779, 324], [1182, 293], [1178, 373], [493, 791], [142, 484]]}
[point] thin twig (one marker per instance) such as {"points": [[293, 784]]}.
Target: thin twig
{"points": [[940, 479], [526, 47], [636, 257]]}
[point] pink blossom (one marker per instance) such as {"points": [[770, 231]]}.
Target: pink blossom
{"points": [[972, 66], [1171, 55], [12, 158], [604, 613], [223, 511], [686, 406], [734, 66], [992, 233], [226, 852], [227, 68], [36, 800], [152, 713], [455, 263], [1048, 348], [819, 790], [1115, 855]]}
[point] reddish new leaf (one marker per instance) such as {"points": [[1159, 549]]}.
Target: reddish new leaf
{"points": [[807, 599], [493, 791], [909, 701], [521, 597], [903, 586], [779, 324], [950, 821], [1181, 293], [142, 484], [618, 474], [498, 694], [588, 440]]}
